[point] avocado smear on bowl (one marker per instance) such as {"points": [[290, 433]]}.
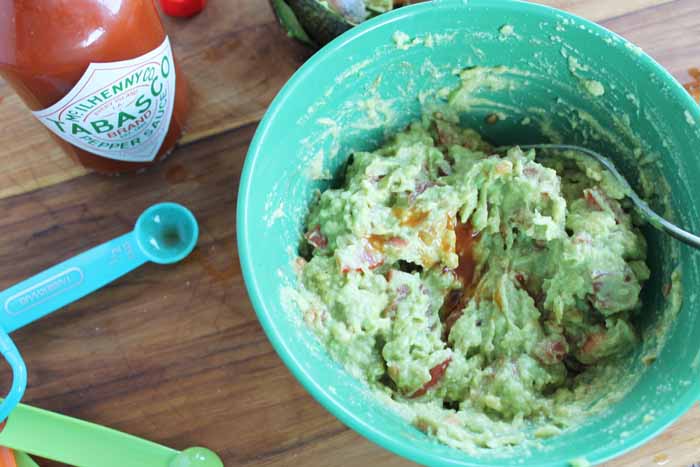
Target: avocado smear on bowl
{"points": [[486, 296]]}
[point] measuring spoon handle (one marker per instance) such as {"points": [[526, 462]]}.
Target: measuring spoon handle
{"points": [[19, 375], [69, 281], [79, 443]]}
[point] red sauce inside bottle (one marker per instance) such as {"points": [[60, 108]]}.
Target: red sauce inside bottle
{"points": [[47, 45]]}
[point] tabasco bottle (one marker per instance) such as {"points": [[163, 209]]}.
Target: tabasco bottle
{"points": [[99, 74]]}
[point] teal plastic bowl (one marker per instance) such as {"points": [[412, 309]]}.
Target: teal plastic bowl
{"points": [[373, 80]]}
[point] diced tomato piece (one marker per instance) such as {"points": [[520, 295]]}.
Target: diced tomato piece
{"points": [[400, 294], [596, 199], [372, 258], [397, 242], [367, 257], [592, 200], [436, 374], [593, 341], [552, 352], [531, 171], [380, 242], [597, 298], [316, 238]]}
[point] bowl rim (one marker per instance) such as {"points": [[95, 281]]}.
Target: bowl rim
{"points": [[246, 256]]}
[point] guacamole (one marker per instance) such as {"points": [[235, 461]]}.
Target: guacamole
{"points": [[476, 290]]}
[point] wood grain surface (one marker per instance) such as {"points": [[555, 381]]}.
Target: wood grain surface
{"points": [[175, 353]]}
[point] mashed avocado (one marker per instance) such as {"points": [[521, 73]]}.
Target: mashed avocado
{"points": [[479, 291]]}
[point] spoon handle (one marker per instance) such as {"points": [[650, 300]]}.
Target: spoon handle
{"points": [[69, 281], [23, 460], [655, 219], [79, 443], [661, 223], [19, 375]]}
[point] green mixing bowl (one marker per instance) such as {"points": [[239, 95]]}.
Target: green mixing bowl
{"points": [[373, 80]]}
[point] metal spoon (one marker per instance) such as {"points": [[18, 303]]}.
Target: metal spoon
{"points": [[642, 207]]}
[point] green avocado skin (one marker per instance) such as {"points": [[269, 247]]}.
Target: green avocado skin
{"points": [[289, 22], [480, 294], [319, 22]]}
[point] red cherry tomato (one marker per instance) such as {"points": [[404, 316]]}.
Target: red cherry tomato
{"points": [[182, 8]]}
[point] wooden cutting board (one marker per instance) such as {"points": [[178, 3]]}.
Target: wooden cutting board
{"points": [[175, 354]]}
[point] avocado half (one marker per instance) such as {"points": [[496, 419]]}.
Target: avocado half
{"points": [[317, 22], [310, 21]]}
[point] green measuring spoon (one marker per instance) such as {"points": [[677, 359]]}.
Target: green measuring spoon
{"points": [[23, 460], [83, 444]]}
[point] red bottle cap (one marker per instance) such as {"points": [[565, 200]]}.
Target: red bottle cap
{"points": [[182, 8]]}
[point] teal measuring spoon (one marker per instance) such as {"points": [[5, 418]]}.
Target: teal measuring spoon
{"points": [[82, 444], [165, 233]]}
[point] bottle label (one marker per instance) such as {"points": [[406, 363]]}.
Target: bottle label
{"points": [[119, 110]]}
